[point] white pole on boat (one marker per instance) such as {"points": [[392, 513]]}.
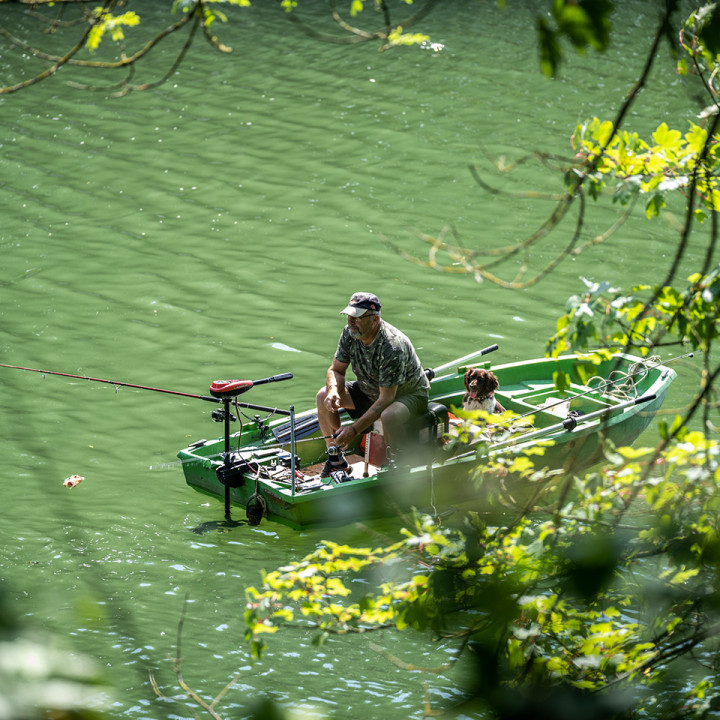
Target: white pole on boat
{"points": [[292, 450], [484, 351], [572, 422]]}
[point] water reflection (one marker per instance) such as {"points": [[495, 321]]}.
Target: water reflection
{"points": [[217, 526]]}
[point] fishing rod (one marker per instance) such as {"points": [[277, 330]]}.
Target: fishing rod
{"points": [[219, 390], [569, 424], [608, 383]]}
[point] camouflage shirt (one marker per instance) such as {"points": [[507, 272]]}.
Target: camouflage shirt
{"points": [[388, 361]]}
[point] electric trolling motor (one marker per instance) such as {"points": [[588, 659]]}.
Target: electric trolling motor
{"points": [[230, 473]]}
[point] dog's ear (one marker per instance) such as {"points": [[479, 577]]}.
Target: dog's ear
{"points": [[493, 383], [484, 380]]}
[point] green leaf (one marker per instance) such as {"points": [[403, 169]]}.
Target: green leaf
{"points": [[321, 638], [550, 52], [562, 381], [676, 425], [710, 32], [655, 204], [584, 22]]}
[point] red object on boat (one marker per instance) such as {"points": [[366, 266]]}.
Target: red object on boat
{"points": [[229, 388], [378, 448]]}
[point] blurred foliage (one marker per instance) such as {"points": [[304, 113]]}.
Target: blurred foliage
{"points": [[585, 23], [41, 679], [607, 595], [104, 22]]}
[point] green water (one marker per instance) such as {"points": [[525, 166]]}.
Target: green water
{"points": [[214, 228]]}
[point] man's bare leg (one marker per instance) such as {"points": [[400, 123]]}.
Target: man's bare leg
{"points": [[329, 418], [395, 420]]}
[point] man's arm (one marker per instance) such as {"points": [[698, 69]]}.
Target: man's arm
{"points": [[335, 384], [348, 433]]}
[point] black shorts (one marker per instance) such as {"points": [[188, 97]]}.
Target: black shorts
{"points": [[415, 403]]}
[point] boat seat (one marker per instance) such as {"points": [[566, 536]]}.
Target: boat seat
{"points": [[434, 422]]}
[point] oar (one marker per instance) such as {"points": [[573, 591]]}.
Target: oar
{"points": [[432, 372], [220, 389], [304, 427], [308, 425]]}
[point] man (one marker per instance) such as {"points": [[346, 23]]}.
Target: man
{"points": [[391, 384]]}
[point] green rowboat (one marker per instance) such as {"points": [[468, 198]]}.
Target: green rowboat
{"points": [[271, 467]]}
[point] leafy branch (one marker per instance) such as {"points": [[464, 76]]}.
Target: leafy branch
{"points": [[391, 33], [547, 599], [100, 24], [583, 178]]}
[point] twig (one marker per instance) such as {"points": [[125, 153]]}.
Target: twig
{"points": [[438, 670], [51, 70]]}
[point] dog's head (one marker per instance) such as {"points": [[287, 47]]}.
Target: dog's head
{"points": [[480, 383]]}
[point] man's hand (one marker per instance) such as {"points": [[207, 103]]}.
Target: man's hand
{"points": [[345, 435], [332, 399]]}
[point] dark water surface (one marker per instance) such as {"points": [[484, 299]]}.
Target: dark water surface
{"points": [[214, 228]]}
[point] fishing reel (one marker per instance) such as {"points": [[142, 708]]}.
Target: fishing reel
{"points": [[338, 467], [219, 415], [337, 477], [571, 421]]}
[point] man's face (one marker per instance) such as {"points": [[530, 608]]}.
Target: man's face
{"points": [[361, 326]]}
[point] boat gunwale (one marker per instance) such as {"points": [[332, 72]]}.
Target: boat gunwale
{"points": [[664, 379]]}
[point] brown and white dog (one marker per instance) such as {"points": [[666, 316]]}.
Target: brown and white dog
{"points": [[480, 387]]}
